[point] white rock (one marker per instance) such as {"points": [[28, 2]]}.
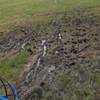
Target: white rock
{"points": [[44, 50], [23, 46], [52, 68], [56, 52], [60, 37], [43, 42]]}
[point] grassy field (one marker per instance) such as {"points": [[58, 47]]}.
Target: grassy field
{"points": [[19, 11], [9, 68]]}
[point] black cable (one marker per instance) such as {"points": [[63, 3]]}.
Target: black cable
{"points": [[8, 85], [4, 85]]}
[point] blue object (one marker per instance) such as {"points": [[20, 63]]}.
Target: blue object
{"points": [[6, 85], [14, 91], [4, 98]]}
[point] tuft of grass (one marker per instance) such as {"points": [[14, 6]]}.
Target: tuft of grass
{"points": [[79, 83], [10, 67], [85, 89]]}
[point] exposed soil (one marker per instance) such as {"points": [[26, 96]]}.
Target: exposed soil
{"points": [[73, 41]]}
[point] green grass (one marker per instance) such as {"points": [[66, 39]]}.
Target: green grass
{"points": [[18, 11], [86, 89], [10, 68]]}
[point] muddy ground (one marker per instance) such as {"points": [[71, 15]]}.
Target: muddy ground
{"points": [[68, 58]]}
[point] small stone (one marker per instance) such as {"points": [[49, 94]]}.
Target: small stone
{"points": [[52, 68], [56, 52], [43, 42]]}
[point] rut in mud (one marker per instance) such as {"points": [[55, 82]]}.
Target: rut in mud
{"points": [[74, 41]]}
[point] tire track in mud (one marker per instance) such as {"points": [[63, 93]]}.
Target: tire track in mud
{"points": [[33, 76]]}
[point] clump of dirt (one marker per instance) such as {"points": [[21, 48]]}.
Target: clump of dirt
{"points": [[69, 56]]}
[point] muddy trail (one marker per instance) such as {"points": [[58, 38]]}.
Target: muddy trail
{"points": [[72, 47]]}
